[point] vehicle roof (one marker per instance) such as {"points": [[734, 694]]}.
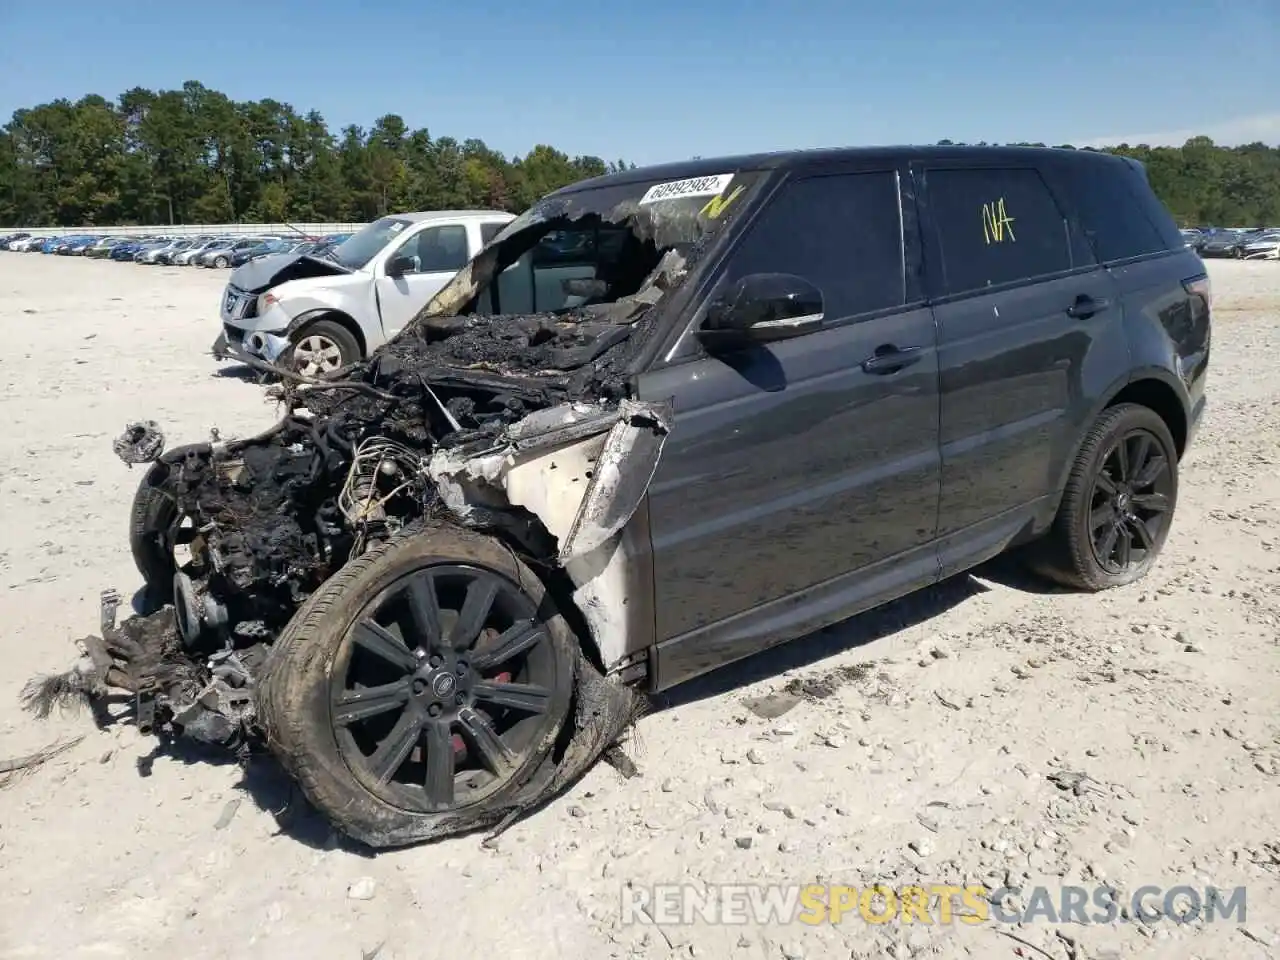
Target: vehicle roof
{"points": [[785, 159], [451, 215]]}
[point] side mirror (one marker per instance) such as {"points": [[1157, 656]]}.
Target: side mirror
{"points": [[399, 266], [762, 308]]}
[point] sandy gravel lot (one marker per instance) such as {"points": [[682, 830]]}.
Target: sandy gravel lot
{"points": [[920, 749]]}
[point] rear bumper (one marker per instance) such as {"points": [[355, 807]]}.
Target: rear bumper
{"points": [[1193, 422]]}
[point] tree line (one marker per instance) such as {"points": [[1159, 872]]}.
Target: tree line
{"points": [[196, 156]]}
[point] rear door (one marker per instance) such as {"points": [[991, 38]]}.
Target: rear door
{"points": [[1020, 304], [437, 253], [797, 485]]}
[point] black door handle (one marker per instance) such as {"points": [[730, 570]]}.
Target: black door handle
{"points": [[1086, 306], [890, 359]]}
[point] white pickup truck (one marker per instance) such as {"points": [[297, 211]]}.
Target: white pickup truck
{"points": [[314, 314]]}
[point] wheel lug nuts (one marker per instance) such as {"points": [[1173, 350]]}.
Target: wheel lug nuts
{"points": [[434, 710], [459, 699], [435, 660], [419, 686], [462, 670]]}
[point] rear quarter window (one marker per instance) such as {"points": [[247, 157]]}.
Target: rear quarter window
{"points": [[1119, 213], [996, 226]]}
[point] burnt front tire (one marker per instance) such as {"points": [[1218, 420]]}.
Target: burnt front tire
{"points": [[1118, 504], [421, 688], [320, 348], [155, 524]]}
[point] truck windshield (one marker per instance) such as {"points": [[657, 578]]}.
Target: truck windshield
{"points": [[358, 249]]}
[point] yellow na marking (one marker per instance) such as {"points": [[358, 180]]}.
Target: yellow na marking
{"points": [[996, 223], [717, 204]]}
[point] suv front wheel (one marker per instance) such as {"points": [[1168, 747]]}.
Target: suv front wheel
{"points": [[321, 348], [1118, 504]]}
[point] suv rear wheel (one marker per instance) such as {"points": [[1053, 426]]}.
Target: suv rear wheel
{"points": [[421, 688], [1118, 504]]}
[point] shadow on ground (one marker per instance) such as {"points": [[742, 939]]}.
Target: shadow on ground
{"points": [[856, 632], [241, 371]]}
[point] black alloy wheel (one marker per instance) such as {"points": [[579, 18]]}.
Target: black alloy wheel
{"points": [[1131, 502], [1117, 505], [442, 688]]}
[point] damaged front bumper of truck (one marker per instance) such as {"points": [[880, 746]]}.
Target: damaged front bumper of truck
{"points": [[249, 346]]}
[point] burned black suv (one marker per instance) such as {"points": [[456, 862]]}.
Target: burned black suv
{"points": [[665, 419]]}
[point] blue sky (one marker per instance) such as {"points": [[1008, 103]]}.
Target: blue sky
{"points": [[661, 80]]}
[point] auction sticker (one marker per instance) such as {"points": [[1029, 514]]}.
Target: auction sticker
{"points": [[692, 187]]}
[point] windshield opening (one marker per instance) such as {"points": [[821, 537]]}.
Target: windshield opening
{"points": [[361, 247], [621, 244]]}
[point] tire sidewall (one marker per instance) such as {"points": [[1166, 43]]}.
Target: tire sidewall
{"points": [[1130, 417], [297, 712]]}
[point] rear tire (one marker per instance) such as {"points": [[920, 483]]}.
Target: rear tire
{"points": [[1118, 504], [361, 716], [221, 262]]}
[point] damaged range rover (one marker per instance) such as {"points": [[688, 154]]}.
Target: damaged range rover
{"points": [[441, 586]]}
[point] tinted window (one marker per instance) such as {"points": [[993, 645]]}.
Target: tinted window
{"points": [[996, 226], [842, 233], [1119, 214], [490, 230]]}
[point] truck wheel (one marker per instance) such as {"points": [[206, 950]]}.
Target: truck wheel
{"points": [[420, 688], [322, 347], [1118, 504]]}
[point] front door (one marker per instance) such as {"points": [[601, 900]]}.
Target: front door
{"points": [[801, 478], [435, 254]]}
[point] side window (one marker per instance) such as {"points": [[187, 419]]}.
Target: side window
{"points": [[841, 232], [437, 249], [490, 230], [442, 249], [1113, 217], [996, 226]]}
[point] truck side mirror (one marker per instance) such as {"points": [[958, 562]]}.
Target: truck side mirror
{"points": [[399, 266]]}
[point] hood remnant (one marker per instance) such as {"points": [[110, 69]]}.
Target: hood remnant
{"points": [[520, 426], [259, 276]]}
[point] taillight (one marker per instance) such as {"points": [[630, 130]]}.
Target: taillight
{"points": [[1200, 287]]}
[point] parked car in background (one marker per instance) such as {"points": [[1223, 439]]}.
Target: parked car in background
{"points": [[320, 311], [101, 249], [221, 257], [183, 258], [29, 245], [161, 251], [8, 241], [258, 250], [74, 246], [1224, 243], [131, 251], [1264, 246], [168, 254]]}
